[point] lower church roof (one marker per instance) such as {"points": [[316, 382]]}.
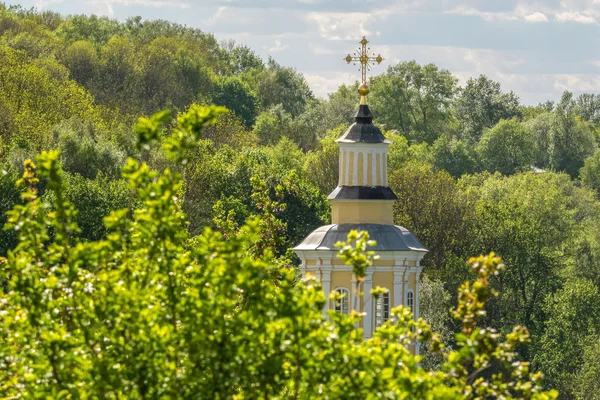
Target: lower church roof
{"points": [[388, 237], [362, 193]]}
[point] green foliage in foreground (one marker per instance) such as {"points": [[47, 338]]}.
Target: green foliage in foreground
{"points": [[148, 312]]}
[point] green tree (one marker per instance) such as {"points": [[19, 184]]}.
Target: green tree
{"points": [[588, 377], [242, 59], [321, 165], [86, 150], [280, 85], [590, 172], [98, 197], [36, 94], [237, 96], [455, 156], [434, 307], [540, 126], [11, 196], [482, 104], [506, 148], [98, 30], [572, 140], [588, 107], [573, 320], [117, 80], [414, 99], [272, 125], [81, 59], [530, 219], [230, 130], [442, 221], [147, 313]]}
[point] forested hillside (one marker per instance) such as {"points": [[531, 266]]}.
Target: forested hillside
{"points": [[474, 169]]}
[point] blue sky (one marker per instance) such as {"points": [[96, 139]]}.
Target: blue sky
{"points": [[536, 48]]}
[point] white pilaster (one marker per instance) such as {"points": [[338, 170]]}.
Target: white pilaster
{"points": [[405, 285], [417, 299], [341, 168], [347, 169], [355, 298], [398, 281], [385, 170], [368, 305], [326, 285]]}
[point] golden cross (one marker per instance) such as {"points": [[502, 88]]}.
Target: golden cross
{"points": [[363, 57]]}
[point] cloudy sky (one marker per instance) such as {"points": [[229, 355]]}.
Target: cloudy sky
{"points": [[536, 48]]}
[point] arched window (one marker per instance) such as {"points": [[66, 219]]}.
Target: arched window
{"points": [[342, 305], [382, 309], [410, 300]]}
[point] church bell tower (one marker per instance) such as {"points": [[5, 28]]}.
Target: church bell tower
{"points": [[363, 201]]}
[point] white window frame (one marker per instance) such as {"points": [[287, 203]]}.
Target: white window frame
{"points": [[410, 301], [342, 305], [381, 309]]}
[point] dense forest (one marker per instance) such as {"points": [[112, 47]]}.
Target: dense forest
{"points": [[474, 169]]}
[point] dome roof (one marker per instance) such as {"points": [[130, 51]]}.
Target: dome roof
{"points": [[363, 130], [388, 237]]}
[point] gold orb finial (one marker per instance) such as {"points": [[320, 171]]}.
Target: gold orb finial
{"points": [[363, 89]]}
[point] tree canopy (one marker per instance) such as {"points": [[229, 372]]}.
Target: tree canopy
{"points": [[475, 171]]}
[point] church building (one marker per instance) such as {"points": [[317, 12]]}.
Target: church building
{"points": [[363, 201]]}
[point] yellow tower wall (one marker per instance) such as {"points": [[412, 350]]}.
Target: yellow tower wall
{"points": [[366, 212], [341, 279]]}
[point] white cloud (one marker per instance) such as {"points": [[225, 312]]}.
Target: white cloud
{"points": [[577, 83], [318, 49], [486, 15], [536, 17], [341, 26], [325, 82], [278, 47], [575, 17], [147, 3], [42, 4], [579, 11], [215, 17]]}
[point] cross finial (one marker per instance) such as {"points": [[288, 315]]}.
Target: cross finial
{"points": [[365, 60]]}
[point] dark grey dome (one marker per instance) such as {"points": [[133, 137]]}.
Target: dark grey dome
{"points": [[363, 130], [388, 237]]}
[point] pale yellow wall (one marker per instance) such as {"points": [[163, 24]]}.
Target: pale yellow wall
{"points": [[388, 263], [351, 167], [361, 170], [362, 212]]}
